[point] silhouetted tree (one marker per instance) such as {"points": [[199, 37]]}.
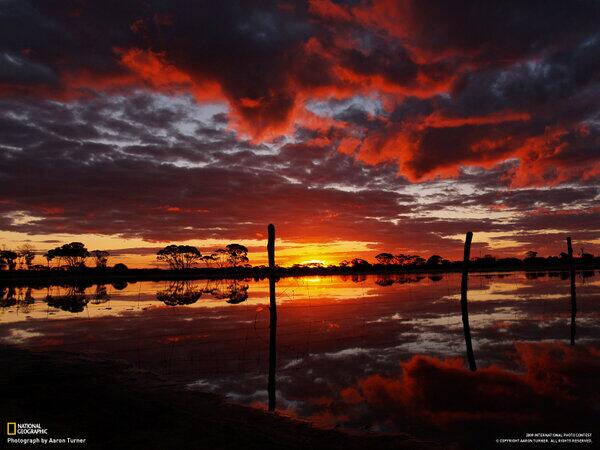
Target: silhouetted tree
{"points": [[100, 258], [408, 260], [120, 267], [384, 258], [26, 253], [8, 259], [49, 257], [531, 254], [400, 259], [208, 260], [359, 263], [220, 257], [434, 260], [73, 254], [413, 260], [237, 254], [587, 257], [179, 257]]}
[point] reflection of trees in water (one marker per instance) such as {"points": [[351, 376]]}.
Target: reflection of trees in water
{"points": [[119, 285], [235, 291], [388, 280], [25, 298], [101, 295], [180, 292], [73, 298], [586, 274], [8, 296], [384, 281], [13, 296], [358, 278], [410, 279], [535, 275]]}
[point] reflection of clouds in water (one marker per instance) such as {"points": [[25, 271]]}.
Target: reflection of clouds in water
{"points": [[19, 336], [555, 380], [346, 353], [486, 296], [496, 314], [428, 342], [203, 385], [331, 335], [393, 317]]}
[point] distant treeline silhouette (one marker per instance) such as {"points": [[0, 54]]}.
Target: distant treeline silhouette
{"points": [[530, 258], [75, 257]]}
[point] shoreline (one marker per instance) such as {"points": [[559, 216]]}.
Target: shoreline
{"points": [[93, 276]]}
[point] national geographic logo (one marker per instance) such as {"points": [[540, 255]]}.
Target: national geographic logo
{"points": [[14, 428], [35, 434]]}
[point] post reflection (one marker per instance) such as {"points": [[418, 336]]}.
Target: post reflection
{"points": [[463, 303], [573, 293], [271, 388]]}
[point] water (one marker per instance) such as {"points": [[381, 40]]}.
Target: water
{"points": [[365, 353]]}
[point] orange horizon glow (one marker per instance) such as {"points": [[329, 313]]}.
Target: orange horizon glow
{"points": [[288, 253]]}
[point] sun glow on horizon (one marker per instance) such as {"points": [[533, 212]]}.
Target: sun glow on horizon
{"points": [[314, 262]]}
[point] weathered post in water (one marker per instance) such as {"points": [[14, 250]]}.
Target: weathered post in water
{"points": [[272, 319], [573, 294], [464, 286]]}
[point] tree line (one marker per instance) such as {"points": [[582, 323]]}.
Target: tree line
{"points": [[530, 258], [70, 256], [75, 255], [21, 258]]}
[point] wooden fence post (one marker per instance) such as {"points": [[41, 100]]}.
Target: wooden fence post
{"points": [[272, 319], [573, 293], [464, 285]]}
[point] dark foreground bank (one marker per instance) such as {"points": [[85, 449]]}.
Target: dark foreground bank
{"points": [[112, 405]]}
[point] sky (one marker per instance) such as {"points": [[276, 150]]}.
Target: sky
{"points": [[355, 127]]}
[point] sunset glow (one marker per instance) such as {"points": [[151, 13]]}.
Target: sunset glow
{"points": [[354, 127], [300, 224]]}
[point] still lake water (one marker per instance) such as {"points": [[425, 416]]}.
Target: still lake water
{"points": [[363, 353]]}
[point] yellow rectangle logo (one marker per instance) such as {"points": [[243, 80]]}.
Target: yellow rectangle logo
{"points": [[11, 426]]}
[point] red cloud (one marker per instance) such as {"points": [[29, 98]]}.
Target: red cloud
{"points": [[557, 381], [268, 62]]}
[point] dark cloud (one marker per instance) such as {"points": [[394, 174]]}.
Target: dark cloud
{"points": [[172, 120]]}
